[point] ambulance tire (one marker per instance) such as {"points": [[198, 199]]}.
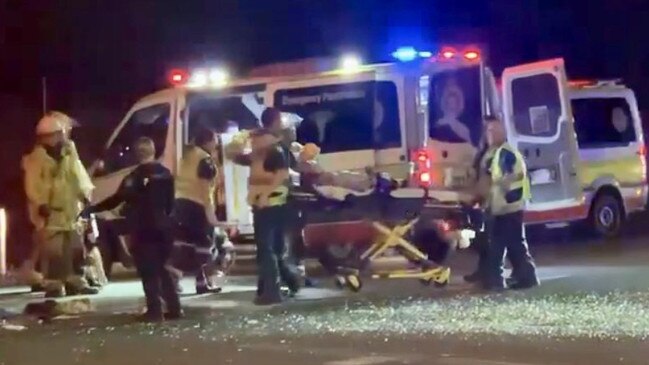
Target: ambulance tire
{"points": [[606, 216]]}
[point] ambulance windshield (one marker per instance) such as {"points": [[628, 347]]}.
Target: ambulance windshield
{"points": [[455, 106], [223, 113]]}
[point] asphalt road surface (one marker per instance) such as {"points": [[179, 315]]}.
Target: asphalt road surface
{"points": [[592, 308]]}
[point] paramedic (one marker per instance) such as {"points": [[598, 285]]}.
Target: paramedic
{"points": [[508, 192], [269, 172], [481, 166], [195, 208], [149, 193], [56, 183]]}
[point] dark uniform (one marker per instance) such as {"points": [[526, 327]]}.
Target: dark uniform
{"points": [[148, 194], [195, 195]]}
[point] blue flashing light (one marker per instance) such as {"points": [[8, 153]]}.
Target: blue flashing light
{"points": [[405, 54]]}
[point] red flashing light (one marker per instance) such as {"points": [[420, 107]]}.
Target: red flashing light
{"points": [[178, 77], [422, 156], [642, 151], [424, 178], [448, 54], [471, 55]]}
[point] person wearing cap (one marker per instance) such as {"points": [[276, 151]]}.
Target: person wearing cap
{"points": [[148, 191], [56, 184]]}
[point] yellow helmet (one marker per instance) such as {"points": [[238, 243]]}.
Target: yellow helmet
{"points": [[53, 122]]}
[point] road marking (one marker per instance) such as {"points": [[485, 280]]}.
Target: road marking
{"points": [[366, 360]]}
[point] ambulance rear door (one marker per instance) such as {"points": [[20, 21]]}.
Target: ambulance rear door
{"points": [[540, 125]]}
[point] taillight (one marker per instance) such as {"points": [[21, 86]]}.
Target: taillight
{"points": [[422, 168], [642, 152], [444, 226]]}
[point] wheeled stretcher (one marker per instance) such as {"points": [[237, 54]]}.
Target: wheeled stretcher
{"points": [[405, 221]]}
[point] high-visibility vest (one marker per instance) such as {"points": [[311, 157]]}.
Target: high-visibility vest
{"points": [[505, 200], [189, 185]]}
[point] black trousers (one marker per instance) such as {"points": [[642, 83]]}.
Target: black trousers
{"points": [[151, 252], [270, 225], [507, 236]]}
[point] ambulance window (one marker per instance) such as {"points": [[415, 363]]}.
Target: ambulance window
{"points": [[152, 122], [603, 122], [536, 105], [455, 106], [345, 117]]}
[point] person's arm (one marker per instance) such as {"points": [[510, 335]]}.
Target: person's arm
{"points": [[207, 175], [113, 201], [507, 162]]}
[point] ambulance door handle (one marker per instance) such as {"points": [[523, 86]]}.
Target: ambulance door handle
{"points": [[402, 158]]}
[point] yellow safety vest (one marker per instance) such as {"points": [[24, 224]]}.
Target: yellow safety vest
{"points": [[189, 185], [260, 192], [512, 198]]}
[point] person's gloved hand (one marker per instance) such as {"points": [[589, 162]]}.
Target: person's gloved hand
{"points": [[44, 211], [85, 213]]}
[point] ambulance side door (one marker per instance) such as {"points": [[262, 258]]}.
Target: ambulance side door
{"points": [[151, 119], [540, 125]]}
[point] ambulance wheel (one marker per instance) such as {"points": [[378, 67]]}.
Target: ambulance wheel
{"points": [[354, 283], [606, 215]]}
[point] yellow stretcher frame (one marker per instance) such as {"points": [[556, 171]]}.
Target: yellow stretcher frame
{"points": [[393, 238]]}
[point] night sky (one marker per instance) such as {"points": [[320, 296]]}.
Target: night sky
{"points": [[101, 55]]}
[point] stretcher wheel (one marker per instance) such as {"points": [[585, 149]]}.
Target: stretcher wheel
{"points": [[340, 282], [354, 283], [441, 284], [425, 282]]}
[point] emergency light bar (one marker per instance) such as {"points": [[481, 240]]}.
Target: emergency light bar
{"points": [[408, 54], [199, 78]]}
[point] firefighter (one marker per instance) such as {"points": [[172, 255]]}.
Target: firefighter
{"points": [[148, 191], [195, 210], [56, 183], [268, 192], [509, 191]]}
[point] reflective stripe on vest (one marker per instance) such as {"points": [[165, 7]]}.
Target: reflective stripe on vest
{"points": [[518, 193], [188, 185]]}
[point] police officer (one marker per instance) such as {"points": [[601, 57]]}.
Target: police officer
{"points": [[509, 191], [195, 208], [148, 192], [269, 174]]}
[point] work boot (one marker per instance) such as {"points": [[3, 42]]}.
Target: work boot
{"points": [[84, 290], [473, 277], [37, 288], [173, 316], [150, 317], [522, 284], [55, 292], [267, 300]]}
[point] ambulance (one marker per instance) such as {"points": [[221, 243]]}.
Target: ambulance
{"points": [[419, 118]]}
